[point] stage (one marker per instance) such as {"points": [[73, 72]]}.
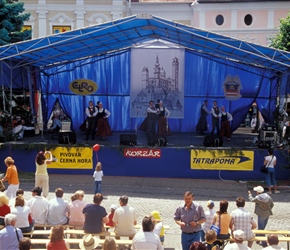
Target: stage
{"points": [[183, 157]]}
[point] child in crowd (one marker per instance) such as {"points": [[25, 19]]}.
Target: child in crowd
{"points": [[158, 228], [111, 215], [98, 176], [209, 217]]}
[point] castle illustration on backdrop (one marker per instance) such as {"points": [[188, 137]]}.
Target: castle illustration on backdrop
{"points": [[158, 87]]}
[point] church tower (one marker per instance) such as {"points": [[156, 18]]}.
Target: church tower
{"points": [[145, 77], [175, 71]]}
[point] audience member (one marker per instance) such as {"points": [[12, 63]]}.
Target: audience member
{"points": [[55, 126], [243, 220], [109, 244], [22, 212], [38, 205], [158, 225], [12, 178], [89, 242], [110, 223], [24, 244], [18, 131], [210, 239], [223, 220], [57, 239], [198, 246], [58, 209], [273, 242], [98, 176], [41, 175], [4, 208], [239, 237], [189, 217], [18, 192], [10, 235], [208, 219], [263, 208], [95, 216], [76, 206], [146, 239], [125, 218]]}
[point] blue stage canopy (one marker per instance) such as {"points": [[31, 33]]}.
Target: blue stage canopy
{"points": [[101, 53]]}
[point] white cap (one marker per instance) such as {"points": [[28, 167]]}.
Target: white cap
{"points": [[239, 235], [259, 189]]}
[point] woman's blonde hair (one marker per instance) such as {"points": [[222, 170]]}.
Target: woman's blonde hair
{"points": [[9, 161], [77, 195], [3, 199], [57, 233], [99, 166]]}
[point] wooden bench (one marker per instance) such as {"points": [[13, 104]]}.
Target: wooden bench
{"points": [[284, 238], [77, 241]]}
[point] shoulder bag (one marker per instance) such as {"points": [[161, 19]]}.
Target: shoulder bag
{"points": [[215, 228], [264, 169]]}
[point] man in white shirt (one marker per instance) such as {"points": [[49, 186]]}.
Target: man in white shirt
{"points": [[239, 237], [146, 239], [125, 218], [58, 210], [273, 242], [38, 205], [10, 236]]}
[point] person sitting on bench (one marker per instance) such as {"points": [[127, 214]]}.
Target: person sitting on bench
{"points": [[56, 126]]}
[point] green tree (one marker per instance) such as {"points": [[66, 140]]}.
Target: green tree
{"points": [[282, 39], [11, 22]]}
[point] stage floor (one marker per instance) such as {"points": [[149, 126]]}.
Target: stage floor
{"points": [[241, 138]]}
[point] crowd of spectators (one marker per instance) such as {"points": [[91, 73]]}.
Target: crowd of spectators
{"points": [[195, 223]]}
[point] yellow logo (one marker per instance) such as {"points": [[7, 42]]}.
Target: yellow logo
{"points": [[220, 160], [83, 87]]}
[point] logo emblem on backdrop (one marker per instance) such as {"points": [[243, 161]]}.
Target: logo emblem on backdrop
{"points": [[232, 88], [83, 87]]}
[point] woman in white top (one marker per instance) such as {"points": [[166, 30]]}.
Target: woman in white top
{"points": [[24, 219], [270, 163], [98, 176], [76, 217], [41, 175]]}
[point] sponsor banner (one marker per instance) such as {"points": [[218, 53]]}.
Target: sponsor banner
{"points": [[83, 87], [142, 153], [72, 158], [221, 160]]}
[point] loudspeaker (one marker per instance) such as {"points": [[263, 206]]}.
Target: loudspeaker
{"points": [[128, 139], [213, 141], [67, 137], [157, 140]]}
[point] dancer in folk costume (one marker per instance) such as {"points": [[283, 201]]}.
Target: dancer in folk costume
{"points": [[163, 128], [103, 126], [149, 123], [201, 126], [226, 119]]}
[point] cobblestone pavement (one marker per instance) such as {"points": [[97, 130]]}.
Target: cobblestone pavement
{"points": [[164, 195]]}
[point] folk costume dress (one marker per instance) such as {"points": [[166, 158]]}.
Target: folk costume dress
{"points": [[103, 126]]}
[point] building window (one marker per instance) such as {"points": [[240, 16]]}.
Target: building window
{"points": [[219, 20], [248, 19], [56, 29], [26, 27]]}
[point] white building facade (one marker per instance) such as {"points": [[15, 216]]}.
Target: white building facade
{"points": [[252, 21]]}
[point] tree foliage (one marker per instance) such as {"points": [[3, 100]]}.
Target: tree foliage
{"points": [[282, 39], [11, 22]]}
